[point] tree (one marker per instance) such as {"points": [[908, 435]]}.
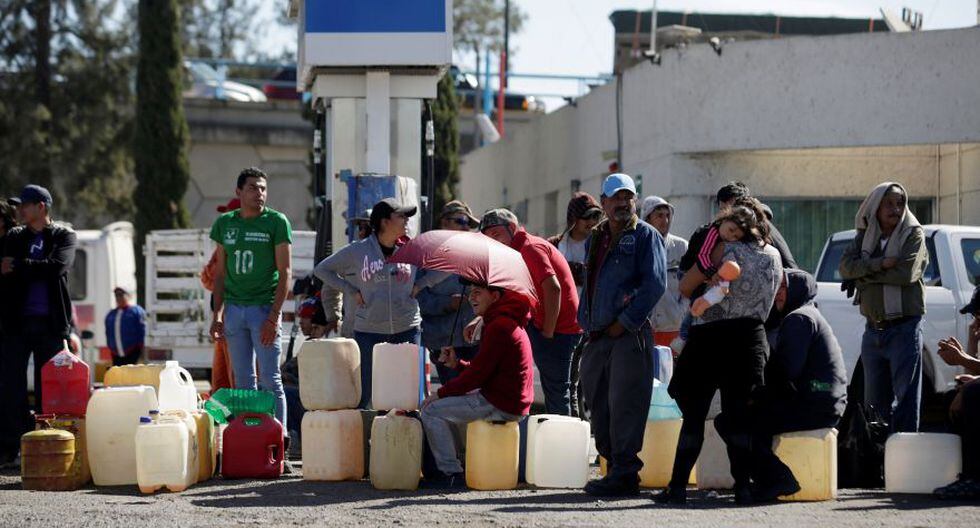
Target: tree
{"points": [[445, 110], [227, 29], [478, 26], [161, 137], [65, 111]]}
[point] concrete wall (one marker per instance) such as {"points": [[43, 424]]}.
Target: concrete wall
{"points": [[228, 136], [690, 124]]}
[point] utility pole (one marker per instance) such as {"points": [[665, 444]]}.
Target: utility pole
{"points": [[653, 27], [506, 63]]}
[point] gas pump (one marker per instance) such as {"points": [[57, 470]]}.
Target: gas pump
{"points": [[370, 65]]}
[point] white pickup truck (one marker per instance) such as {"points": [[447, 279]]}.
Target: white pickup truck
{"points": [[179, 309], [954, 267]]}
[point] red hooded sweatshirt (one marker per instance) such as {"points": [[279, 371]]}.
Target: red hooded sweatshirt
{"points": [[501, 369]]}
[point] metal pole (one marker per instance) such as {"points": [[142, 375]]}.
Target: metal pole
{"points": [[507, 37], [653, 27], [500, 93]]}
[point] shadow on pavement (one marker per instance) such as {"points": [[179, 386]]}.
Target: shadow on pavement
{"points": [[897, 501]]}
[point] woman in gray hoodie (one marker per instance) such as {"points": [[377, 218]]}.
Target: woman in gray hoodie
{"points": [[387, 312]]}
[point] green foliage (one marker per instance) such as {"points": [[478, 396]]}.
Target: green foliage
{"points": [[161, 137], [67, 125], [478, 25], [445, 110]]}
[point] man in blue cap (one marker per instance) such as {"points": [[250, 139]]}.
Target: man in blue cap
{"points": [[36, 309], [626, 274]]}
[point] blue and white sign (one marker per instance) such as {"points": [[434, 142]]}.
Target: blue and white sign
{"points": [[368, 33]]}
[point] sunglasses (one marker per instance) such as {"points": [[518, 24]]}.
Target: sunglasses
{"points": [[460, 221], [592, 215]]}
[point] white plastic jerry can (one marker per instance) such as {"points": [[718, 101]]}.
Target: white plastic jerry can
{"points": [[396, 372], [561, 450], [396, 452], [177, 391], [329, 374], [333, 445], [112, 417], [161, 455]]}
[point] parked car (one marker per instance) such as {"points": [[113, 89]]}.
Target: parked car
{"points": [[203, 82], [954, 267], [282, 86], [468, 89]]}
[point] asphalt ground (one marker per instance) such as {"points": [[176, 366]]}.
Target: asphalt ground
{"points": [[291, 501]]}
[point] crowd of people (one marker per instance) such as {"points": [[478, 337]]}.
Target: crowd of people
{"points": [[609, 288]]}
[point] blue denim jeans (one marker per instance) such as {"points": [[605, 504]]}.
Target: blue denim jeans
{"points": [[366, 342], [553, 358], [243, 328], [892, 360]]}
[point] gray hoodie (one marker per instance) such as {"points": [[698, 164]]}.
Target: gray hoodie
{"points": [[386, 288]]}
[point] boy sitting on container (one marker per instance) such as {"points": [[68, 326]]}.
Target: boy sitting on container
{"points": [[496, 385]]}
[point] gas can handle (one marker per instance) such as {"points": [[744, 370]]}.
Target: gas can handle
{"points": [[272, 454]]}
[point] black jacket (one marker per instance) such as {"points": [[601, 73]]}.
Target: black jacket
{"points": [[806, 362], [53, 268]]}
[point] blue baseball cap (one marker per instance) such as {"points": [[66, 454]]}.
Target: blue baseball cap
{"points": [[32, 194], [617, 182]]}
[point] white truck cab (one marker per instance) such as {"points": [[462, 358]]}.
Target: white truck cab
{"points": [[954, 268]]}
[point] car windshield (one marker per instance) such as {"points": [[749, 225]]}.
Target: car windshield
{"points": [[971, 257], [830, 264], [202, 72]]}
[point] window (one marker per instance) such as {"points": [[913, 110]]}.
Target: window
{"points": [[551, 214], [971, 257], [806, 224], [78, 276], [830, 267]]}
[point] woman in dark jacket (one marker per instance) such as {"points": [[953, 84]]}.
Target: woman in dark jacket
{"points": [[726, 350]]}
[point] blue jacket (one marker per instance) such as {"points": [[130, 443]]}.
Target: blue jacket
{"points": [[132, 328], [629, 281], [438, 316]]}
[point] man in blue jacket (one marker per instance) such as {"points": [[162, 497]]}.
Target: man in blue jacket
{"points": [[626, 274], [125, 329]]}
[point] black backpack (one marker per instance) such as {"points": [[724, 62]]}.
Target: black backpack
{"points": [[861, 448]]}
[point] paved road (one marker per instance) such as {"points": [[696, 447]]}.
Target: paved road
{"points": [[290, 501]]}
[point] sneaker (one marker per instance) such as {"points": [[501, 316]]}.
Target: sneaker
{"points": [[785, 484], [613, 487], [443, 481], [672, 496], [287, 468], [963, 488]]}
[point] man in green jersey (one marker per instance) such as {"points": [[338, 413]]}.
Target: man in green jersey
{"points": [[250, 284]]}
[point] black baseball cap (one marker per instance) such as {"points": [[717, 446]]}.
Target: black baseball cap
{"points": [[974, 305], [32, 194], [386, 207]]}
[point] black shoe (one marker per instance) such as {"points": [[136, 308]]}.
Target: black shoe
{"points": [[785, 484], [454, 481], [613, 487], [672, 496], [743, 496]]}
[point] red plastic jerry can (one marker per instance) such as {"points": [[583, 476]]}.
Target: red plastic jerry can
{"points": [[252, 447], [65, 385]]}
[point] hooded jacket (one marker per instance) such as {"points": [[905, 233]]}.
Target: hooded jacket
{"points": [[387, 288], [501, 369], [806, 361]]}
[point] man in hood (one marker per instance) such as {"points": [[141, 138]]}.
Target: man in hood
{"points": [[806, 384], [885, 264]]}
